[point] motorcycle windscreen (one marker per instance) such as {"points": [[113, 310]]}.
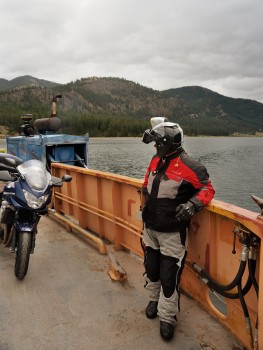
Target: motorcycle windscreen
{"points": [[35, 173]]}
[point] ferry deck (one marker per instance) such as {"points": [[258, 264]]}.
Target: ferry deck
{"points": [[69, 301]]}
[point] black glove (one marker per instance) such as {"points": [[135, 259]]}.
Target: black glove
{"points": [[185, 211]]}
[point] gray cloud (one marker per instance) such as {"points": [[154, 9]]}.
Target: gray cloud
{"points": [[161, 45]]}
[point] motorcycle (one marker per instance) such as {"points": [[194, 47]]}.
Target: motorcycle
{"points": [[25, 198]]}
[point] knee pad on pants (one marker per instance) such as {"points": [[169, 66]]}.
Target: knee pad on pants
{"points": [[169, 275], [152, 263]]}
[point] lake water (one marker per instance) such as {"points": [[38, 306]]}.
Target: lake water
{"points": [[234, 163]]}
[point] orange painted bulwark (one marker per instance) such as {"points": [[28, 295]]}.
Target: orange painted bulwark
{"points": [[109, 206]]}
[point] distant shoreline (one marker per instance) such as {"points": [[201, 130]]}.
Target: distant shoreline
{"points": [[105, 137]]}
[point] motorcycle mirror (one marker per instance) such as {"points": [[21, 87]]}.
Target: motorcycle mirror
{"points": [[8, 159], [66, 178], [10, 162], [5, 176]]}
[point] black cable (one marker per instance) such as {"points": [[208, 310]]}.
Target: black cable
{"points": [[246, 288], [246, 313], [228, 295], [213, 284], [252, 268], [242, 300]]}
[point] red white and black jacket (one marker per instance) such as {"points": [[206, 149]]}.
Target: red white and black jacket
{"points": [[171, 181]]}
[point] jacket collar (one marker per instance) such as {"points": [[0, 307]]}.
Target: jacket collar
{"points": [[174, 154]]}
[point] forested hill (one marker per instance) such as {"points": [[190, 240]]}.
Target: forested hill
{"points": [[25, 82], [117, 107]]}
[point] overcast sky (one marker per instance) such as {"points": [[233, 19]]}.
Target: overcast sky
{"points": [[217, 44]]}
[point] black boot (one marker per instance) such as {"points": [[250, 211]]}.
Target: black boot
{"points": [[166, 330], [151, 310]]}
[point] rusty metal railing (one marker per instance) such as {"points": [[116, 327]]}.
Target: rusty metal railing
{"points": [[108, 206]]}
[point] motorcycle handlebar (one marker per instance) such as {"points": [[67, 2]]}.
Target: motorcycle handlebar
{"points": [[10, 160]]}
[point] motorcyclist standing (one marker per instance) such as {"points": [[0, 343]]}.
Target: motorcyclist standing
{"points": [[175, 188]]}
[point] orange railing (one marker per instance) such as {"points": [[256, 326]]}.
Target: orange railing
{"points": [[108, 207]]}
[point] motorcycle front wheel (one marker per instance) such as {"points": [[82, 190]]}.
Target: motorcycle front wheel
{"points": [[22, 254]]}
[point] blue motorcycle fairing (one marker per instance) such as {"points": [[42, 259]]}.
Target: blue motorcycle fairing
{"points": [[25, 225], [17, 199], [24, 185], [26, 221]]}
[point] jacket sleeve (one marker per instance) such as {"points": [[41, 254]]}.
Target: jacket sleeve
{"points": [[205, 190], [197, 175], [203, 196]]}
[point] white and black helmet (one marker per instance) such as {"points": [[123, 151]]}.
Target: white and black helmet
{"points": [[166, 135]]}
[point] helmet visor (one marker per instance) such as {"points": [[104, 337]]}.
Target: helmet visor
{"points": [[150, 136]]}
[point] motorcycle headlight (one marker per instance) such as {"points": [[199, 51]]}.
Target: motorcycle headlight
{"points": [[33, 201]]}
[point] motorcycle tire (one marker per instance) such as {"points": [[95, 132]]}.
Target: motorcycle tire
{"points": [[22, 254]]}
